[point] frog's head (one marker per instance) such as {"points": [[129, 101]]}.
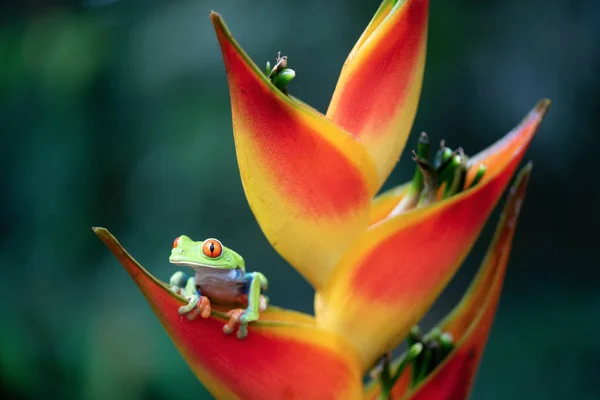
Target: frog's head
{"points": [[209, 253]]}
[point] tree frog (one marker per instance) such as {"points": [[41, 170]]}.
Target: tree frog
{"points": [[220, 277]]}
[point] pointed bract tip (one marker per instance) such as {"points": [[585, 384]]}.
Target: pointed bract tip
{"points": [[216, 19], [103, 234], [221, 28], [542, 107], [517, 193], [523, 177]]}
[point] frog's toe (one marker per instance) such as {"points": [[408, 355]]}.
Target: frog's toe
{"points": [[235, 317], [176, 289], [263, 303], [185, 310], [192, 315], [204, 307], [242, 331]]}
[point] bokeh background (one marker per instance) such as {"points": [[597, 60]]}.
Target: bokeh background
{"points": [[116, 113]]}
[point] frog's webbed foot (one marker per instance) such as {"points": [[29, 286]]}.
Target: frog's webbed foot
{"points": [[256, 303], [238, 317], [198, 305], [193, 301], [177, 282]]}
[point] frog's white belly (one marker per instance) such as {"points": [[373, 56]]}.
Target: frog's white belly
{"points": [[220, 286]]}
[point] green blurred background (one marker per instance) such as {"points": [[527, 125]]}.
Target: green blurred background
{"points": [[116, 113]]}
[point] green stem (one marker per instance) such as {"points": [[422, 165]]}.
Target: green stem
{"points": [[420, 373], [387, 380], [422, 153]]}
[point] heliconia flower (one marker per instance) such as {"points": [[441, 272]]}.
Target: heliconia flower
{"points": [[377, 263]]}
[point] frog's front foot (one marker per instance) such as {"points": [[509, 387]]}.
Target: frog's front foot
{"points": [[177, 282], [198, 305], [239, 317]]}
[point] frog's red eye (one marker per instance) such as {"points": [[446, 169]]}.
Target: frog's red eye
{"points": [[212, 248], [176, 241]]}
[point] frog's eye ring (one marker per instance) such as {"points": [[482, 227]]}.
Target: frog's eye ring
{"points": [[212, 248]]}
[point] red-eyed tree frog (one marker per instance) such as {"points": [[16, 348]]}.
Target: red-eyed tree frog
{"points": [[221, 278]]}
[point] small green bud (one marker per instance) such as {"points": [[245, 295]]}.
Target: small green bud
{"points": [[448, 168], [434, 335], [455, 162], [414, 351], [414, 336], [421, 370], [459, 172], [423, 146], [282, 79], [480, 172], [446, 342], [415, 331], [268, 69], [442, 156]]}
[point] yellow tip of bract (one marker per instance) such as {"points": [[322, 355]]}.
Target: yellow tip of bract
{"points": [[308, 182], [471, 320], [378, 91], [275, 361], [392, 275]]}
